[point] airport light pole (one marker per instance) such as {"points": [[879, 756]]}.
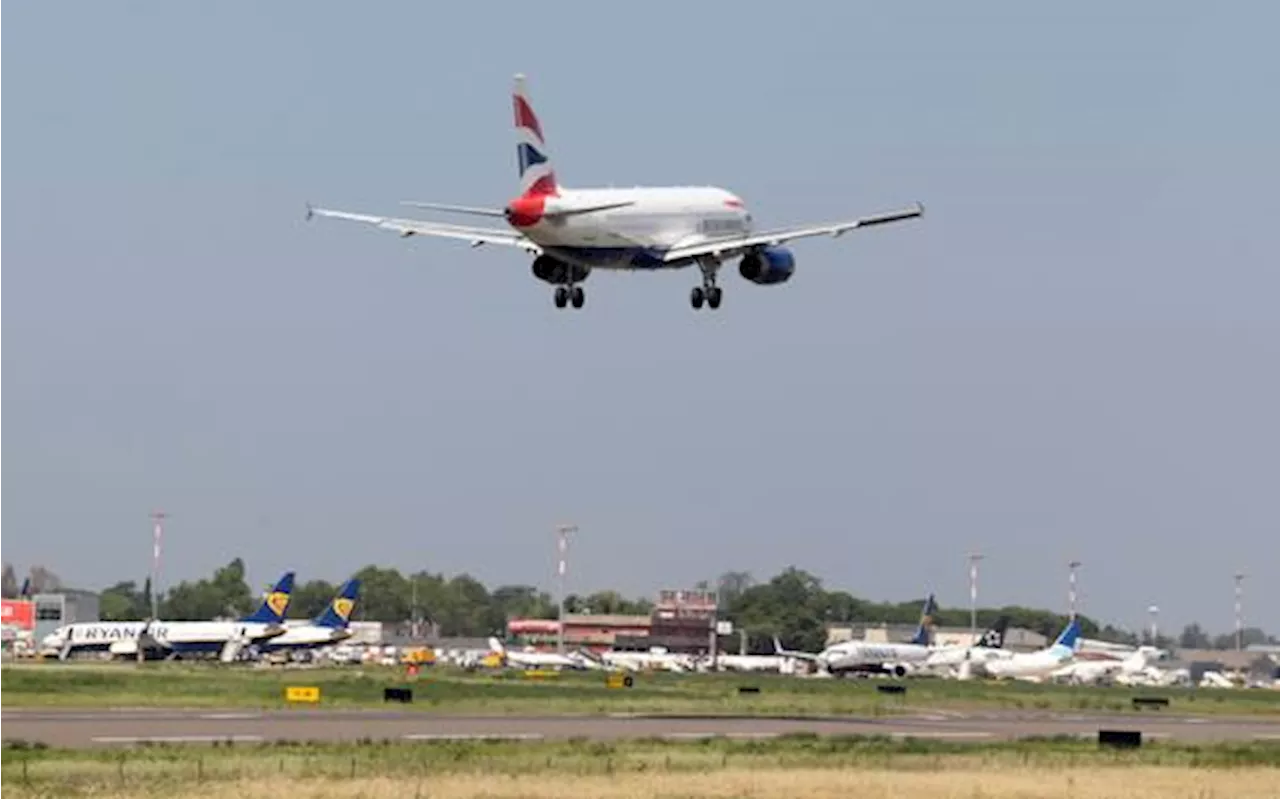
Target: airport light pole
{"points": [[1240, 610], [1071, 586], [974, 557], [562, 544], [157, 534]]}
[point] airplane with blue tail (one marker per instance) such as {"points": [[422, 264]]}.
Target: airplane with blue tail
{"points": [[330, 627], [175, 639], [1035, 666]]}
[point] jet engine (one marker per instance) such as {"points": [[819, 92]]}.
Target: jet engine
{"points": [[557, 272], [768, 265]]}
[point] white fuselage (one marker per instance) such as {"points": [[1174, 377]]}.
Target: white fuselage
{"points": [[633, 236], [956, 655], [307, 636], [178, 636], [1030, 665], [862, 654]]}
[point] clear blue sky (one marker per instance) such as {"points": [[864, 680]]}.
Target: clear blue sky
{"points": [[1074, 354]]}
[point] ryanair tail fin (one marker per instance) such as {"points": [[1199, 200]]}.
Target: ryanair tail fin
{"points": [[338, 614], [924, 631], [276, 603]]}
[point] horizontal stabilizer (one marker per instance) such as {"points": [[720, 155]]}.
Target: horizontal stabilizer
{"points": [[457, 209]]}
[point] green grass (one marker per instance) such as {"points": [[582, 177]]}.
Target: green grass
{"points": [[453, 691]]}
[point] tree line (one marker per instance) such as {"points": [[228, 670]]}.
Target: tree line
{"points": [[793, 605]]}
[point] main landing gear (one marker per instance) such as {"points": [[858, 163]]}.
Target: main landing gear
{"points": [[708, 292], [570, 294]]}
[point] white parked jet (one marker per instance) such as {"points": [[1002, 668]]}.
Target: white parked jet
{"points": [[989, 646], [872, 657], [540, 660], [1088, 672], [572, 232], [176, 638], [1036, 665], [330, 627]]}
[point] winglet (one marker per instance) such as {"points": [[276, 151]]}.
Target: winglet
{"points": [[310, 212]]}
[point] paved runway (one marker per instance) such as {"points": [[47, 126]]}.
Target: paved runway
{"points": [[77, 728]]}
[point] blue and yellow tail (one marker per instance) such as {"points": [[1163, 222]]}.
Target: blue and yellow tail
{"points": [[338, 614], [923, 632], [276, 603]]}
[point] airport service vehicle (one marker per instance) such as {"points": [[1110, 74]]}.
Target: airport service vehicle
{"points": [[176, 638], [572, 232]]}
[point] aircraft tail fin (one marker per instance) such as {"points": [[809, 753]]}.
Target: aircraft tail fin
{"points": [[537, 177], [924, 630], [338, 614], [276, 603], [496, 646], [1068, 638], [993, 638]]}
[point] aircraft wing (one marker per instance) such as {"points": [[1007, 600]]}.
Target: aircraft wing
{"points": [[476, 236], [739, 245]]}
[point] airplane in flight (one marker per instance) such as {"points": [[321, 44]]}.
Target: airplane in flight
{"points": [[571, 232]]}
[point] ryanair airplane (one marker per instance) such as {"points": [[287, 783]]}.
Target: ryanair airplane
{"points": [[330, 627], [173, 639]]}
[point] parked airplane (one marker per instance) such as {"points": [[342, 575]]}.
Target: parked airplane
{"points": [[989, 646], [873, 657], [331, 626], [653, 659], [1036, 665], [1088, 672], [571, 232], [176, 638], [540, 660]]}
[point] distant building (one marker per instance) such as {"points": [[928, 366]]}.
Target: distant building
{"points": [[681, 621], [63, 607]]}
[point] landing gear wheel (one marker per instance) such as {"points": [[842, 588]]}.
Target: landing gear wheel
{"points": [[561, 296], [696, 296], [577, 296], [713, 297]]}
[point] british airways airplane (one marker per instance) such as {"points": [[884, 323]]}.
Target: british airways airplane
{"points": [[572, 232]]}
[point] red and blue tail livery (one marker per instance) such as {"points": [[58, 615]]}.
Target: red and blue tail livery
{"points": [[574, 232]]}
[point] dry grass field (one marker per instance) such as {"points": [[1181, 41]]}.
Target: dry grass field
{"points": [[808, 766], [1093, 782]]}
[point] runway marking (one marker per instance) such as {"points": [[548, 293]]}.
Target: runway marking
{"points": [[231, 716], [691, 736], [137, 739], [472, 736], [942, 734], [1264, 736]]}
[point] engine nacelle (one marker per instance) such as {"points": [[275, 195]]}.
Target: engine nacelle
{"points": [[557, 272], [768, 265]]}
